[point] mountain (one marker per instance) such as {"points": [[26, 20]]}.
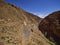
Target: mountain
{"points": [[50, 27], [18, 27]]}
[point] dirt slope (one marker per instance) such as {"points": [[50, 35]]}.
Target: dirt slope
{"points": [[18, 27]]}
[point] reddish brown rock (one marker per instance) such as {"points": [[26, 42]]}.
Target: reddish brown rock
{"points": [[1, 43], [50, 26]]}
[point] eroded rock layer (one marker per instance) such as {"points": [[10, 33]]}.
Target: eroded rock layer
{"points": [[50, 27]]}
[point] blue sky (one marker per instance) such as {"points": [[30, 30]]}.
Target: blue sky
{"points": [[39, 7]]}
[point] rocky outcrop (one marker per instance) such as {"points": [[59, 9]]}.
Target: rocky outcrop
{"points": [[50, 27], [18, 27]]}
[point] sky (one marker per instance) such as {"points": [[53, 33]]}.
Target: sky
{"points": [[41, 8]]}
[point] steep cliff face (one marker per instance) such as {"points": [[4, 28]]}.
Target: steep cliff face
{"points": [[50, 26], [18, 27]]}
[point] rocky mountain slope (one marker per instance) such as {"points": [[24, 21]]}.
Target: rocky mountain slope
{"points": [[18, 27], [50, 27]]}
